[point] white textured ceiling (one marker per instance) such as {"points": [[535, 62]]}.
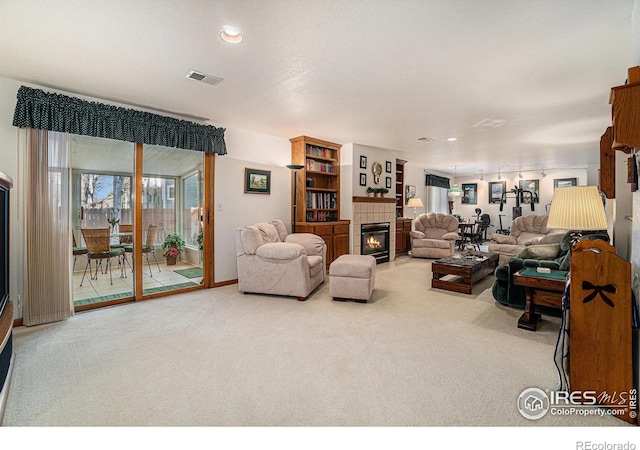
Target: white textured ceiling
{"points": [[521, 83]]}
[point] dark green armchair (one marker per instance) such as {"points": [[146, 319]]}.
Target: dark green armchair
{"points": [[507, 293]]}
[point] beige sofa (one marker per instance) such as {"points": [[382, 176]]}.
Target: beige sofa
{"points": [[271, 261], [525, 231], [434, 235]]}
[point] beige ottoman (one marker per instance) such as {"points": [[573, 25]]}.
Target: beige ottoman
{"points": [[352, 277]]}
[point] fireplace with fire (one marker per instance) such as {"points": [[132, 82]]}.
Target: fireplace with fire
{"points": [[374, 240]]}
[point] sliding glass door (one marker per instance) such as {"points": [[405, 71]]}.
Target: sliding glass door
{"points": [[172, 201], [151, 201]]}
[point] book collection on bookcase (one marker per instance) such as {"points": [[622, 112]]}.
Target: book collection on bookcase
{"points": [[321, 200], [318, 166]]}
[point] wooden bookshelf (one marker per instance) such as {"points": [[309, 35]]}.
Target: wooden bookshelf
{"points": [[318, 183], [318, 193], [400, 187]]}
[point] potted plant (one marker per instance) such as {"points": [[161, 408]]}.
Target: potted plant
{"points": [[371, 191], [383, 191], [173, 244]]}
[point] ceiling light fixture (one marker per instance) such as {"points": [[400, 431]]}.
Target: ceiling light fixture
{"points": [[452, 139], [481, 175], [231, 35], [425, 139], [455, 191], [520, 175], [543, 173]]}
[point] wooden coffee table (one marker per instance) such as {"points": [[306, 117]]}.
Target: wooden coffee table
{"points": [[543, 289], [464, 271]]}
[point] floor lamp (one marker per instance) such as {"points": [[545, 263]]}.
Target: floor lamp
{"points": [[295, 168], [415, 203]]}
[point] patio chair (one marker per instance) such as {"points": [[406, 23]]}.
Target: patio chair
{"points": [[148, 247], [77, 251], [99, 249]]}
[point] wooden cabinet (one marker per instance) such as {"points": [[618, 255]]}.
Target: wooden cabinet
{"points": [[335, 235], [400, 187], [403, 237], [318, 182], [625, 106], [607, 176], [318, 193]]}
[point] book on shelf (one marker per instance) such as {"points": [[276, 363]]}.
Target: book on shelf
{"points": [[318, 166], [319, 151]]}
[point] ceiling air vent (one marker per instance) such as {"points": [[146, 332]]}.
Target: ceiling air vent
{"points": [[198, 76]]}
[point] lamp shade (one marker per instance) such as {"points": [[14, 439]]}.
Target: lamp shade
{"points": [[455, 191], [415, 202], [577, 208]]}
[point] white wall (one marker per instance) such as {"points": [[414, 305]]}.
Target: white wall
{"points": [[373, 154], [256, 151]]}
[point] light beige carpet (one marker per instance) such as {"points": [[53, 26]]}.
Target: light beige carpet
{"points": [[415, 356]]}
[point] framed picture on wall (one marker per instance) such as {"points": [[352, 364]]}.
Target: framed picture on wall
{"points": [[532, 186], [409, 192], [388, 183], [363, 179], [470, 193], [496, 189], [564, 182], [257, 181], [363, 162], [388, 167]]}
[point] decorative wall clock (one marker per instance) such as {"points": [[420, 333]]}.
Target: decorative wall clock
{"points": [[376, 169]]}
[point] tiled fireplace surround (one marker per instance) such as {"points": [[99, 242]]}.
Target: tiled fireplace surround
{"points": [[373, 210]]}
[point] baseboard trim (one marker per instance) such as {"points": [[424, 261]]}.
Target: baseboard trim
{"points": [[225, 283]]}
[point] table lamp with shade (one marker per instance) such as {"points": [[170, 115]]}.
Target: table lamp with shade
{"points": [[577, 209]]}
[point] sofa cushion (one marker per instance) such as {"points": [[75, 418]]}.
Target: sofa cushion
{"points": [[312, 243], [280, 228], [249, 239], [268, 232], [503, 239], [551, 238], [540, 251], [280, 251], [430, 243]]}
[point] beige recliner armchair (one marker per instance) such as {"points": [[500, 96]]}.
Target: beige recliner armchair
{"points": [[525, 231], [271, 261], [434, 235]]}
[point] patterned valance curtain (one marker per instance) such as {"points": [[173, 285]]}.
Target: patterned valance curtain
{"points": [[435, 180], [55, 112]]}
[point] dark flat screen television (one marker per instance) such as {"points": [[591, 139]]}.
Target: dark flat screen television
{"points": [[5, 184]]}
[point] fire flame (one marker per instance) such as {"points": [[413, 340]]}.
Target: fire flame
{"points": [[373, 243]]}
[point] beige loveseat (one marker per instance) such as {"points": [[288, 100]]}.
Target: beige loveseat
{"points": [[434, 235], [271, 261], [525, 231]]}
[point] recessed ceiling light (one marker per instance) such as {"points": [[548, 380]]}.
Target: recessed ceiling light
{"points": [[231, 35], [428, 139], [452, 139]]}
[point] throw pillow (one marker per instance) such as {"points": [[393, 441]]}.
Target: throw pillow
{"points": [[553, 238], [540, 252]]}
